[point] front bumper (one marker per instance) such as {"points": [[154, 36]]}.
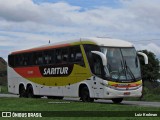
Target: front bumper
{"points": [[114, 93]]}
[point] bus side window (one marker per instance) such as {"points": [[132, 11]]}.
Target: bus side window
{"points": [[48, 57], [11, 60], [27, 59], [38, 58], [58, 55], [18, 60], [64, 55], [76, 56]]}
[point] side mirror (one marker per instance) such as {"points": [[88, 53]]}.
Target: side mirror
{"points": [[145, 57], [103, 57]]}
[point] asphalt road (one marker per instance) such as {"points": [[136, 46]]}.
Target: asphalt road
{"points": [[8, 95], [134, 103]]}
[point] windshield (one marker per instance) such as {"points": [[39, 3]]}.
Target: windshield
{"points": [[122, 64]]}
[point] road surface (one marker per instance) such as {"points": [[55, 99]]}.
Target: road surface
{"points": [[136, 103]]}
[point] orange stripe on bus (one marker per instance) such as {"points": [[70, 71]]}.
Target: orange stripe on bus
{"points": [[40, 48], [28, 72]]}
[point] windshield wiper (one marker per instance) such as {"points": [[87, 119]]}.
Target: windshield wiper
{"points": [[129, 71]]}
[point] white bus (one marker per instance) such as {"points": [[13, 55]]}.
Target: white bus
{"points": [[88, 68]]}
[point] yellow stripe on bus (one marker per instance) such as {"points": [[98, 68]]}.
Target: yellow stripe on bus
{"points": [[79, 74], [110, 83]]}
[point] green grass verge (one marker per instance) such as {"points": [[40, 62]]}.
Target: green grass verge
{"points": [[29, 104], [4, 89], [148, 95], [24, 104]]}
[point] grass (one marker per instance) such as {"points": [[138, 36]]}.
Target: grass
{"points": [[152, 94], [26, 104], [4, 89]]}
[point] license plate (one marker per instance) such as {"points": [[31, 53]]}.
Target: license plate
{"points": [[126, 93]]}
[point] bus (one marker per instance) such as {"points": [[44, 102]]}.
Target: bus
{"points": [[86, 68]]}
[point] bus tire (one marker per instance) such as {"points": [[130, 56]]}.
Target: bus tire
{"points": [[117, 100], [59, 97], [84, 95], [50, 97], [30, 93], [37, 96], [22, 91], [55, 97]]}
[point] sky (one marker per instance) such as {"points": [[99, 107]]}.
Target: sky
{"points": [[30, 23]]}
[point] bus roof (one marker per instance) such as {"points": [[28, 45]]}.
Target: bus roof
{"points": [[109, 42]]}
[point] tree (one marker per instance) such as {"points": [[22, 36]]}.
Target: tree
{"points": [[150, 72], [3, 71]]}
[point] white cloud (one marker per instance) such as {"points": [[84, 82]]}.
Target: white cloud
{"points": [[146, 12], [20, 10], [30, 24], [150, 47]]}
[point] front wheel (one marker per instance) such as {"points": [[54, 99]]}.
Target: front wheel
{"points": [[85, 95], [117, 100]]}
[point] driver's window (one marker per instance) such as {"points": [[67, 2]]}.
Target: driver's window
{"points": [[97, 65]]}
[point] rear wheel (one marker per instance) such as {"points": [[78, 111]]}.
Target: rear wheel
{"points": [[22, 91], [117, 100], [30, 93], [84, 95]]}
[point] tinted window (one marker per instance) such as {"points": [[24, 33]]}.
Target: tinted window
{"points": [[48, 57], [58, 56], [54, 56], [76, 55], [27, 59], [11, 60], [88, 49], [64, 55], [19, 60], [61, 55], [38, 58]]}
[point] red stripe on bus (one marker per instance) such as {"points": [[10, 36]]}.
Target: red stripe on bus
{"points": [[28, 72], [40, 48], [126, 86]]}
